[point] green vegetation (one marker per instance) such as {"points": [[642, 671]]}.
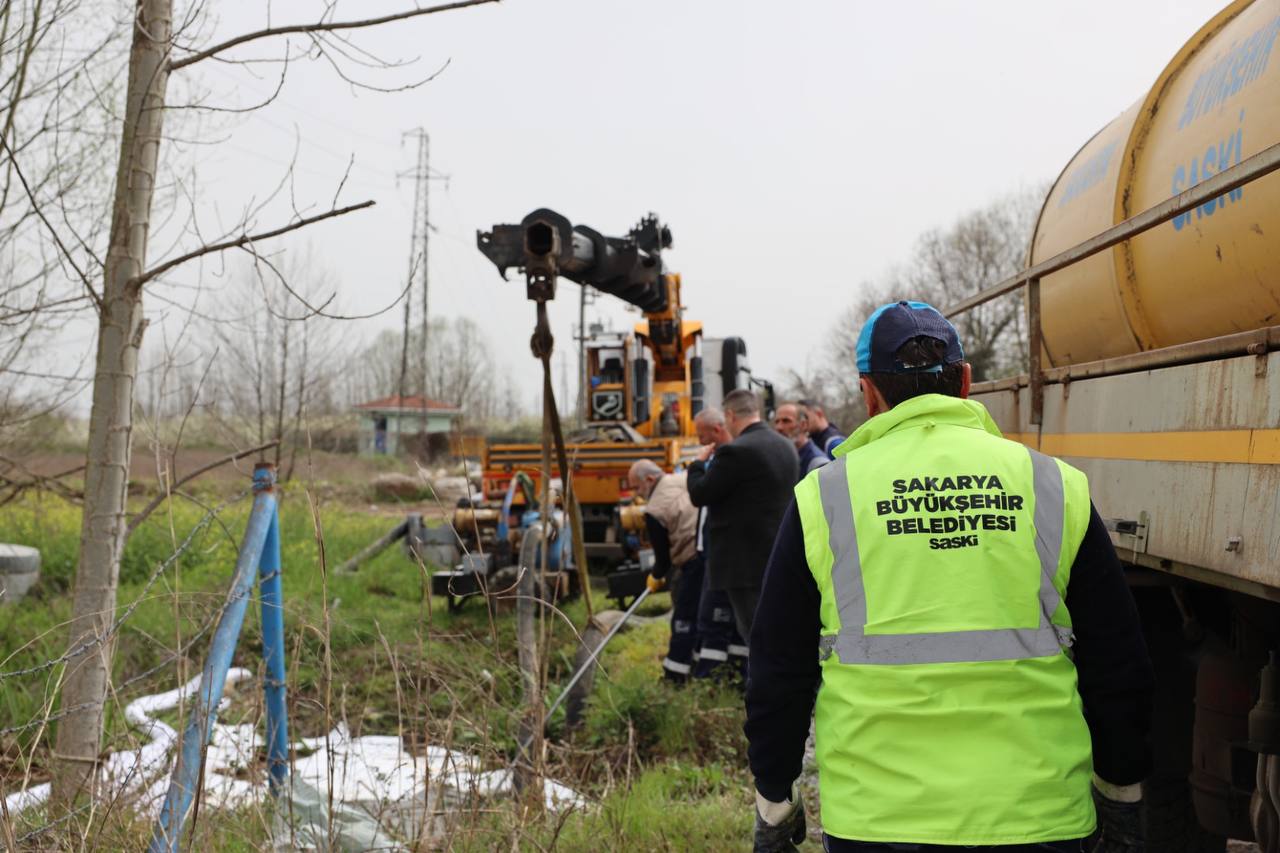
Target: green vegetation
{"points": [[663, 768]]}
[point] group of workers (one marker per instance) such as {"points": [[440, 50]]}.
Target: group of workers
{"points": [[711, 527], [942, 608]]}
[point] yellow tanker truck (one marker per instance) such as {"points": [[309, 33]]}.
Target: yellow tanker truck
{"points": [[1158, 375]]}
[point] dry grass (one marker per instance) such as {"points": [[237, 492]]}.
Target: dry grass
{"points": [[663, 767]]}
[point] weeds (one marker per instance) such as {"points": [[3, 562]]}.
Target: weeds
{"points": [[665, 767]]}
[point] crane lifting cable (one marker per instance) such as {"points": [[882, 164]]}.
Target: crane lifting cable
{"points": [[542, 343]]}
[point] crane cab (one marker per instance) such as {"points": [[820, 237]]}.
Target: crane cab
{"points": [[627, 385]]}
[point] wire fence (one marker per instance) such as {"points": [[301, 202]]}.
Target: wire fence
{"points": [[445, 684], [25, 748], [95, 642]]}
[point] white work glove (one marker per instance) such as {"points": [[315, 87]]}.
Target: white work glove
{"points": [[1119, 809], [779, 826]]}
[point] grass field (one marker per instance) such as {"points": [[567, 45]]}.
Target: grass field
{"points": [[663, 768]]}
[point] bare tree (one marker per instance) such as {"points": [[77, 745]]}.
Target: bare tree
{"points": [[459, 368], [273, 367], [979, 249], [156, 51], [55, 122]]}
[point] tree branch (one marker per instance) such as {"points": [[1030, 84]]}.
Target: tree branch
{"points": [[51, 483], [243, 240], [160, 498], [320, 26], [53, 232]]}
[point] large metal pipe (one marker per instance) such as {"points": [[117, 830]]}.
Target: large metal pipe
{"points": [[546, 244], [595, 653]]}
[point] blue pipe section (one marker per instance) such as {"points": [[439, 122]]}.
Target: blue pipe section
{"points": [[273, 656], [564, 543], [186, 770], [507, 500]]}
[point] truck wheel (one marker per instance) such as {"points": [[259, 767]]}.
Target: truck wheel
{"points": [[1169, 817]]}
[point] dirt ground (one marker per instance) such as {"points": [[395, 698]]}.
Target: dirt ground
{"points": [[336, 477], [331, 467]]}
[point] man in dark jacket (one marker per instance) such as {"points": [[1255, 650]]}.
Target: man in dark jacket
{"points": [[748, 490], [792, 421], [950, 714], [824, 433]]}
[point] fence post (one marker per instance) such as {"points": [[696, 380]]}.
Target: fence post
{"points": [[273, 687], [188, 766], [1035, 340]]}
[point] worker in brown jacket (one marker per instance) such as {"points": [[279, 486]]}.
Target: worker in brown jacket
{"points": [[672, 523]]}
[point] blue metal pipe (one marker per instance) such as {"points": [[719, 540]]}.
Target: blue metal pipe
{"points": [[507, 500], [186, 770], [273, 655]]}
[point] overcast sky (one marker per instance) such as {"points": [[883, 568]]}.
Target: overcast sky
{"points": [[795, 149]]}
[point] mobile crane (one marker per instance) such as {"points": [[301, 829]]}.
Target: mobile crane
{"points": [[646, 386]]}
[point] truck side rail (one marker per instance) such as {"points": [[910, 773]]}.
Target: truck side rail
{"points": [[1263, 163], [1257, 342]]}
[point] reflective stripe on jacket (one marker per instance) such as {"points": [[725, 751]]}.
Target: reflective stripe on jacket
{"points": [[948, 711]]}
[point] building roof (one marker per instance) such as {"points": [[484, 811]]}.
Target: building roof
{"points": [[413, 402]]}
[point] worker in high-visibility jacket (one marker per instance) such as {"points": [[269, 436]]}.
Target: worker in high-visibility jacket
{"points": [[957, 606]]}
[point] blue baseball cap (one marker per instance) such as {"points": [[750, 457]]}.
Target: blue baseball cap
{"points": [[893, 325]]}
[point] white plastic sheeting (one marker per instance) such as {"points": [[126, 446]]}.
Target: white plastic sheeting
{"points": [[141, 775], [381, 794]]}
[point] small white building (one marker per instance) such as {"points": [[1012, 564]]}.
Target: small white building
{"points": [[386, 425]]}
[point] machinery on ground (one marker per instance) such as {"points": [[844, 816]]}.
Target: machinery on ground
{"points": [[493, 540], [1162, 383], [644, 387]]}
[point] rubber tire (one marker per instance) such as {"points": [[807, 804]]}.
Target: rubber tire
{"points": [[1169, 817]]}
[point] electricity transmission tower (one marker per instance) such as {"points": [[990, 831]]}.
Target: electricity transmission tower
{"points": [[422, 175]]}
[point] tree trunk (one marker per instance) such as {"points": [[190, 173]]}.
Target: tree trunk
{"points": [[283, 390], [120, 330], [527, 775], [297, 412]]}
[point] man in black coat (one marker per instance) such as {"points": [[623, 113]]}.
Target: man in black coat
{"points": [[747, 489]]}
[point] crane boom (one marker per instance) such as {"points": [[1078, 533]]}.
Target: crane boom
{"points": [[546, 245]]}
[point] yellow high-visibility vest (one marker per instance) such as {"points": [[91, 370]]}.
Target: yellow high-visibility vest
{"points": [[948, 711]]}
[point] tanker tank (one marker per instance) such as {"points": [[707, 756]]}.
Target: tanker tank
{"points": [[1211, 271]]}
